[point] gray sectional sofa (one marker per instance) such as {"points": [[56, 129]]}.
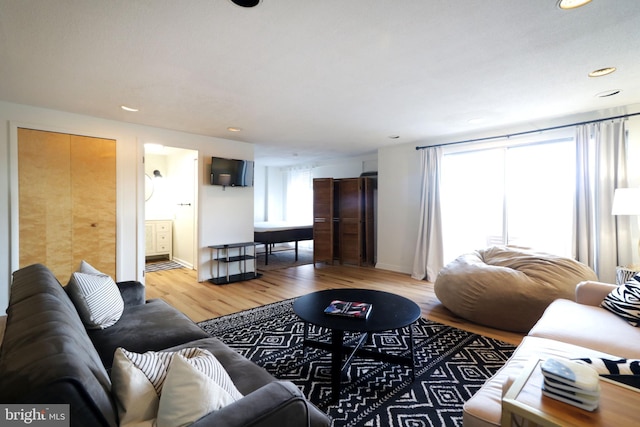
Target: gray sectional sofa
{"points": [[47, 356]]}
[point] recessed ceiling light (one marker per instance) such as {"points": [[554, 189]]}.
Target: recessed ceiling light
{"points": [[232, 129], [125, 108], [602, 72], [607, 93], [572, 4], [394, 136]]}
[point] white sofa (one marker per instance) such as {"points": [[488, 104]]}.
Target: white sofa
{"points": [[570, 329]]}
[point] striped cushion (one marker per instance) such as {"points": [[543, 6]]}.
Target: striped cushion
{"points": [[87, 268], [138, 380], [154, 365], [625, 301], [97, 299]]}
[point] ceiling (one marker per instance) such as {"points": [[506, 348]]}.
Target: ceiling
{"points": [[327, 79]]}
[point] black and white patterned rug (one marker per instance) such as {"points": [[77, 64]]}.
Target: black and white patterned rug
{"points": [[452, 365]]}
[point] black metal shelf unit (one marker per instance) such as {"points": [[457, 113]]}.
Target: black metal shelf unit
{"points": [[225, 255]]}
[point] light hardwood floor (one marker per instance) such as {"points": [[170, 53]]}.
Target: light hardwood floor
{"points": [[201, 301]]}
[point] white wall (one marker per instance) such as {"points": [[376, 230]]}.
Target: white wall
{"points": [[159, 205], [225, 216], [399, 191], [261, 184], [398, 207], [345, 168]]}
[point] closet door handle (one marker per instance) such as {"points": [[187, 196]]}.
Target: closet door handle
{"points": [[319, 220]]}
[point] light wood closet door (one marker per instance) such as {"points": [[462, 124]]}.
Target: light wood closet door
{"points": [[67, 201]]}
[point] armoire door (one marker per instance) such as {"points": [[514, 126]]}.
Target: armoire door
{"points": [[351, 220], [323, 220], [369, 185], [67, 201]]}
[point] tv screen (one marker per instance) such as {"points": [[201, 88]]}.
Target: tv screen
{"points": [[231, 172]]}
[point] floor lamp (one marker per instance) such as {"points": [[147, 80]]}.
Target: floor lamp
{"points": [[626, 201]]}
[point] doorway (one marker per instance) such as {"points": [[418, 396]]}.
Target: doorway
{"points": [[171, 194]]}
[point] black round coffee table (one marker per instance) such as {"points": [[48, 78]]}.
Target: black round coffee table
{"points": [[389, 311]]}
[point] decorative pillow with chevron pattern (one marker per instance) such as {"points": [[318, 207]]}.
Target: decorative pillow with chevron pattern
{"points": [[625, 301], [138, 381], [96, 297]]}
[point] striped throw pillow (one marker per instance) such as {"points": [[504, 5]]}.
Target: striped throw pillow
{"points": [[625, 301], [97, 299], [138, 380], [155, 364]]}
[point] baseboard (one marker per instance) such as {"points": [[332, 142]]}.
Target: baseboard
{"points": [[186, 264], [392, 267]]}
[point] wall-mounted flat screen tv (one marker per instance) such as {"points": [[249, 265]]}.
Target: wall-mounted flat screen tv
{"points": [[231, 172]]}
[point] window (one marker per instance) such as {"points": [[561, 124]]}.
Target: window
{"points": [[299, 196], [519, 195]]}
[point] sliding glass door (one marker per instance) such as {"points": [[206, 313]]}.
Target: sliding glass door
{"points": [[519, 195]]}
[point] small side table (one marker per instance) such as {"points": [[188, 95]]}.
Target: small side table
{"points": [[524, 404], [623, 274]]}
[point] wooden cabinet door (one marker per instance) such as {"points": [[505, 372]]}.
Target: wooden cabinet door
{"points": [[67, 201], [369, 220], [351, 215], [44, 208], [323, 220], [93, 195]]}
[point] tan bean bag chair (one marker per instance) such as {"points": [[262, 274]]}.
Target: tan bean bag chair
{"points": [[508, 288]]}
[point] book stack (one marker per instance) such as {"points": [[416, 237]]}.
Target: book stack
{"points": [[571, 382]]}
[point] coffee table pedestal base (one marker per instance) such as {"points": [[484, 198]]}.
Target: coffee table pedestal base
{"points": [[338, 348]]}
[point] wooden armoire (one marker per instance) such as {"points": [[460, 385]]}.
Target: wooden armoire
{"points": [[343, 220]]}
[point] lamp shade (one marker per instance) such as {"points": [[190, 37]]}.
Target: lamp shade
{"points": [[626, 201]]}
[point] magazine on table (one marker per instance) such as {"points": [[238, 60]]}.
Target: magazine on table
{"points": [[359, 310]]}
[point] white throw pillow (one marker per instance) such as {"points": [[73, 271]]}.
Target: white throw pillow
{"points": [[138, 380], [87, 268], [135, 396], [96, 297], [188, 394]]}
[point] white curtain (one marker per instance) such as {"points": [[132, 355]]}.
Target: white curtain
{"points": [[299, 196], [429, 249], [601, 240]]}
